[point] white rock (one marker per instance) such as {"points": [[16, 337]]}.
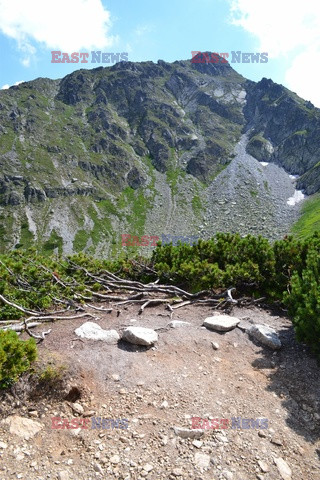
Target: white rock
{"points": [[188, 433], [283, 468], [164, 404], [63, 475], [140, 336], [77, 408], [215, 345], [221, 323], [264, 466], [93, 331], [23, 427], [202, 460], [227, 474], [115, 459], [3, 445], [98, 468], [147, 467], [178, 324], [197, 443], [266, 335], [177, 472]]}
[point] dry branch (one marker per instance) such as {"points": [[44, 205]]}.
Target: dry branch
{"points": [[18, 307]]}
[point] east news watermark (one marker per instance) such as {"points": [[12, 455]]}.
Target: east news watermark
{"points": [[94, 423], [234, 57], [86, 57], [224, 423], [128, 240]]}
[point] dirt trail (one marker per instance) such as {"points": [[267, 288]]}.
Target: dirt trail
{"points": [[163, 387]]}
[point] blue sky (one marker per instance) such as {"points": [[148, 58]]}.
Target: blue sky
{"points": [[167, 30]]}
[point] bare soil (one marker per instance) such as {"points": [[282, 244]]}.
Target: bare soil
{"points": [[159, 388]]}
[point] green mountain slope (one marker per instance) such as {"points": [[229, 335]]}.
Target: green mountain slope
{"points": [[137, 147]]}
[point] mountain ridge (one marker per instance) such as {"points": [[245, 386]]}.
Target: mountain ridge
{"points": [[137, 147]]}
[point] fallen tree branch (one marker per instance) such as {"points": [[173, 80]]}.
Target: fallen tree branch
{"points": [[154, 301], [108, 310], [18, 307]]}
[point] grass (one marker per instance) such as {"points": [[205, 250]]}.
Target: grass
{"points": [[54, 242], [197, 205], [80, 240], [309, 222]]}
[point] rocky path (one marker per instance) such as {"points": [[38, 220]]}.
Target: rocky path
{"points": [[191, 371]]}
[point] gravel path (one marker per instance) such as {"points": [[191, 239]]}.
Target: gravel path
{"points": [[162, 388]]}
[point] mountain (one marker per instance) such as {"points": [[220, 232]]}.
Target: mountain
{"points": [[150, 149]]}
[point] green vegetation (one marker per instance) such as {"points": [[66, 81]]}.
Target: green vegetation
{"points": [[80, 240], [55, 242], [197, 205], [51, 373], [304, 298], [309, 222], [301, 132], [287, 271], [137, 205], [16, 356]]}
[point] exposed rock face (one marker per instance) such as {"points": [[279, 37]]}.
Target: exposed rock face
{"points": [[285, 129], [151, 147]]}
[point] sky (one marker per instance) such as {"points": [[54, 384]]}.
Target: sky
{"points": [[289, 32]]}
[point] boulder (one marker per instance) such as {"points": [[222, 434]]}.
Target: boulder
{"points": [[140, 336], [221, 323], [23, 427], [265, 335], [93, 331]]}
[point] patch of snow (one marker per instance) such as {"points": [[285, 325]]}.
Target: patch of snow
{"points": [[297, 197], [264, 164], [294, 177], [32, 224]]}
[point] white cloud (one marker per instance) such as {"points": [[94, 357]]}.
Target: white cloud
{"points": [[142, 30], [69, 26], [6, 86], [286, 28], [301, 78]]}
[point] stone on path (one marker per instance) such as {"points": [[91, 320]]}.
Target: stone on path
{"points": [[140, 336], [266, 335], [93, 331], [23, 427], [283, 468], [221, 323], [188, 433], [178, 324], [202, 460]]}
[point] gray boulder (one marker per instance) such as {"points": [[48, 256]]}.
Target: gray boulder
{"points": [[93, 331], [265, 335], [140, 336], [221, 323]]}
